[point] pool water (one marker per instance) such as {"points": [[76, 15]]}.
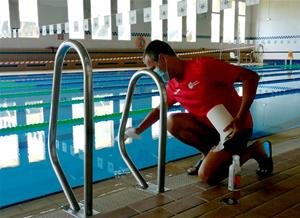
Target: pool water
{"points": [[25, 169]]}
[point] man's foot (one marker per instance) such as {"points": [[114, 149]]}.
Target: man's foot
{"points": [[194, 170], [265, 164]]}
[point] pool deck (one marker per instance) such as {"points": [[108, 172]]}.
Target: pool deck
{"points": [[274, 196]]}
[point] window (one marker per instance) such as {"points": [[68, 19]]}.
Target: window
{"points": [[28, 11], [75, 17], [174, 22], [124, 30], [228, 24], [4, 19], [241, 22], [156, 24], [101, 19], [191, 21], [215, 21]]}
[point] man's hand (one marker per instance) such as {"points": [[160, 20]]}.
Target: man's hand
{"points": [[236, 125], [130, 132]]}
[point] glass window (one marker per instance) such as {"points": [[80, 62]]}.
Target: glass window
{"points": [[28, 11], [215, 27], [242, 8], [101, 19], [174, 22], [228, 24], [216, 6], [4, 19], [242, 22], [75, 17], [215, 21], [156, 23], [191, 21], [124, 30]]}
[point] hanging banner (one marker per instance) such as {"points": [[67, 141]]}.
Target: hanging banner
{"points": [[132, 17], [119, 19], [147, 15], [163, 12], [225, 4], [107, 21], [66, 27], [86, 25], [95, 23], [76, 26], [51, 29], [44, 30], [182, 8], [252, 2], [58, 28], [202, 6]]}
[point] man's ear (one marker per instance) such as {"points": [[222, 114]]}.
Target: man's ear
{"points": [[162, 58]]}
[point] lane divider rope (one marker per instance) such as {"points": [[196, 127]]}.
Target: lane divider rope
{"points": [[122, 58]]}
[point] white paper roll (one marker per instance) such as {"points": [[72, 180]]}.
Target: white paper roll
{"points": [[220, 118]]}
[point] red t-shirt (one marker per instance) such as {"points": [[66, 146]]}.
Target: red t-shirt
{"points": [[207, 82]]}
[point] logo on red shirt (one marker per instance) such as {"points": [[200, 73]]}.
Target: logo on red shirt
{"points": [[191, 84]]}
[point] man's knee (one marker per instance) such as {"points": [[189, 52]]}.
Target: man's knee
{"points": [[172, 123], [209, 178], [212, 175]]}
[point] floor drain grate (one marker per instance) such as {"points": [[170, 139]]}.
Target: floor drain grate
{"points": [[229, 201]]}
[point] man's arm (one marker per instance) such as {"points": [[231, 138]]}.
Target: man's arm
{"points": [[151, 118], [249, 81]]}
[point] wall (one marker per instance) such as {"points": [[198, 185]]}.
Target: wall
{"points": [[277, 28], [57, 13]]}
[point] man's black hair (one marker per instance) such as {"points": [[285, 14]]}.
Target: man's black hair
{"points": [[157, 47]]}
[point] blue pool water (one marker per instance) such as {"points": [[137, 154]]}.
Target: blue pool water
{"points": [[25, 170]]}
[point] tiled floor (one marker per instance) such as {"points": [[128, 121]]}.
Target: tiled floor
{"points": [[275, 196]]}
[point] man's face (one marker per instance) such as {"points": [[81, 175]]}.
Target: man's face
{"points": [[153, 64], [149, 62]]}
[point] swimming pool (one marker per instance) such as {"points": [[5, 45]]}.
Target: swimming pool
{"points": [[26, 171]]}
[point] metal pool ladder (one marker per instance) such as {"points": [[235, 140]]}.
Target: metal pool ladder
{"points": [[75, 209], [162, 135]]}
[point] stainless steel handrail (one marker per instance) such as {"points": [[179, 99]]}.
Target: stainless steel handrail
{"points": [[88, 124], [163, 130]]}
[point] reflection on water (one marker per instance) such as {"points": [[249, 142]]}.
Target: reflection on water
{"points": [[9, 151], [8, 118], [36, 146]]}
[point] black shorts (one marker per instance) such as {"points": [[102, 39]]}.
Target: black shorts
{"points": [[239, 142]]}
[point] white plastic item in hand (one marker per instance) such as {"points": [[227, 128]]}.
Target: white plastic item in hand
{"points": [[220, 117], [130, 132]]}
